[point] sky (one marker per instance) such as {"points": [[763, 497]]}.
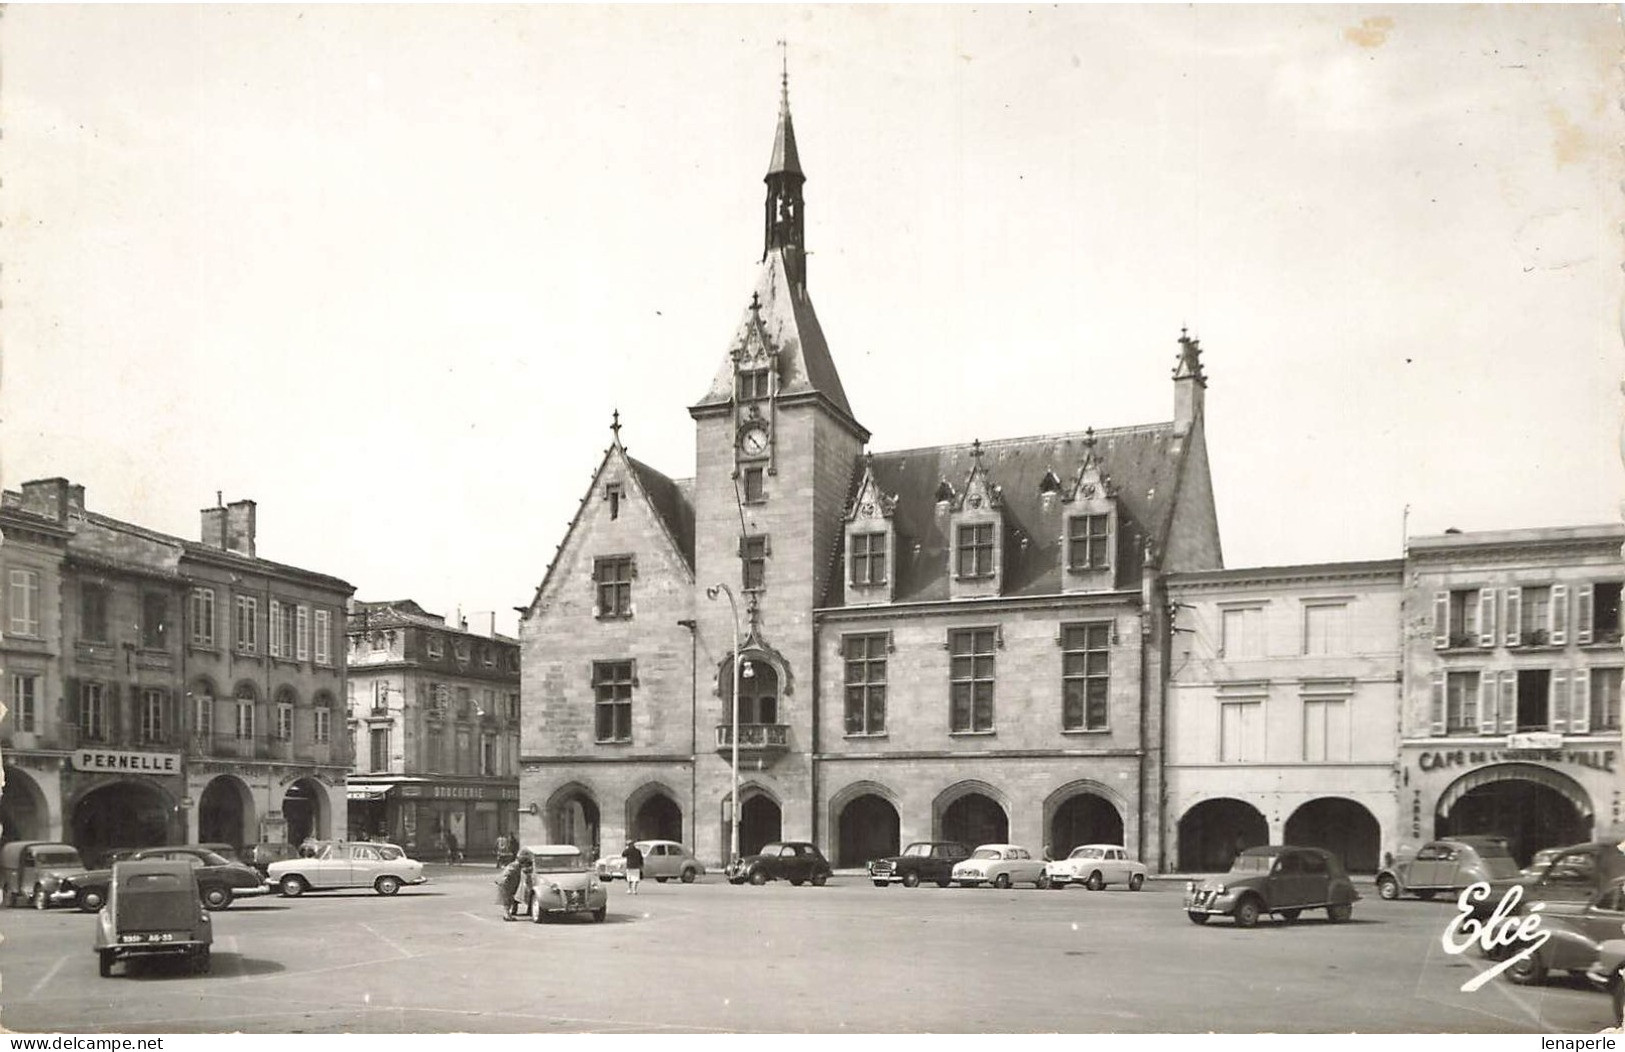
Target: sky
{"points": [[388, 271]]}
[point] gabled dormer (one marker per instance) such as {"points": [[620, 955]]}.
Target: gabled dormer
{"points": [[871, 542], [1089, 525], [975, 514]]}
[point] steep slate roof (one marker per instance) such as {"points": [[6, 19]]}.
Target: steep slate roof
{"points": [[671, 501], [805, 365], [1142, 462]]}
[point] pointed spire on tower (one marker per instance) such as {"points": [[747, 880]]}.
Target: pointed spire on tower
{"points": [[784, 230]]}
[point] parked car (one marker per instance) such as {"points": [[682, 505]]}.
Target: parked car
{"points": [[219, 881], [346, 864], [564, 884], [662, 860], [260, 856], [1540, 862], [1575, 874], [932, 860], [794, 860], [1576, 932], [228, 852], [1448, 866], [1095, 866], [1608, 972], [1276, 879], [154, 910], [33, 871], [1000, 865]]}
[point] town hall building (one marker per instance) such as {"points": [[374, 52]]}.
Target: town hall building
{"points": [[963, 642]]}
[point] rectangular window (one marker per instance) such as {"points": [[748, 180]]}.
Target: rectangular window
{"points": [[975, 550], [284, 722], [154, 620], [284, 630], [324, 637], [513, 706], [378, 755], [753, 385], [1325, 730], [1326, 628], [1534, 711], [488, 657], [463, 702], [200, 612], [465, 753], [302, 633], [754, 556], [613, 576], [1537, 616], [488, 756], [1605, 699], [1088, 543], [92, 712], [321, 725], [93, 612], [1463, 626], [25, 702], [435, 645], [868, 558], [23, 602], [377, 644], [1598, 618], [971, 669], [437, 750], [152, 715], [1241, 632], [203, 716], [1241, 731], [865, 683], [614, 494], [1086, 677], [1461, 703], [247, 609], [755, 485], [275, 644], [245, 720], [612, 693]]}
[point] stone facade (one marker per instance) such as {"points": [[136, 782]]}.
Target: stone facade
{"points": [[169, 690]]}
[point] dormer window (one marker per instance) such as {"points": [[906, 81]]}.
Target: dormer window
{"points": [[868, 558], [1088, 543], [973, 550], [753, 385]]}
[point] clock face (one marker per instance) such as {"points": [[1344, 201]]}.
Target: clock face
{"points": [[753, 441]]}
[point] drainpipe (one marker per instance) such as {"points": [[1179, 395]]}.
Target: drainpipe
{"points": [[693, 729]]}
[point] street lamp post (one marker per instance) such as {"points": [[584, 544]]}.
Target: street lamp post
{"points": [[733, 731]]}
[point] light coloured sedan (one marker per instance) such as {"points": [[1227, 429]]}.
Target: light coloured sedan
{"points": [[1000, 865], [344, 864], [563, 883], [1095, 866], [662, 860]]}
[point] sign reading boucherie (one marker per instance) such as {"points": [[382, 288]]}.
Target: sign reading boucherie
{"points": [[133, 762]]}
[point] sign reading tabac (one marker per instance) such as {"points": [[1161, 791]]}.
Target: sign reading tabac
{"points": [[109, 760]]}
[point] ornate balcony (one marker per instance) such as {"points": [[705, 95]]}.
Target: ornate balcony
{"points": [[760, 744]]}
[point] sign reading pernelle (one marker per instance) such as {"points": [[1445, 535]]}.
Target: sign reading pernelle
{"points": [[130, 762]]}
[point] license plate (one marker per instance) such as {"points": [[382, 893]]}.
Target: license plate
{"points": [[150, 936]]}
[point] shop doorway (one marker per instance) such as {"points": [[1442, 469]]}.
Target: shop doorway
{"points": [[868, 828], [23, 811], [225, 813], [1214, 832], [1341, 826], [1533, 807], [975, 819], [304, 809], [1086, 818], [120, 814]]}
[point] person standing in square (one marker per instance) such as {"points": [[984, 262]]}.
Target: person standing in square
{"points": [[634, 867]]}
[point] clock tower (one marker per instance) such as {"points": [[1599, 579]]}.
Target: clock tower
{"points": [[777, 448]]}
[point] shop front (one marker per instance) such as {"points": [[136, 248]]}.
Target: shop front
{"points": [[1531, 789], [123, 799], [419, 813]]}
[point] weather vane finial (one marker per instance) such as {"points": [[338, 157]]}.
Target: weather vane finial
{"points": [[615, 424], [784, 67]]}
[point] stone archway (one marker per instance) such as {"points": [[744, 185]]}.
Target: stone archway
{"points": [[1345, 828], [573, 818], [761, 820], [1534, 807], [972, 813], [867, 826], [24, 812], [1085, 817], [1214, 832], [652, 814], [225, 812], [306, 811], [124, 813]]}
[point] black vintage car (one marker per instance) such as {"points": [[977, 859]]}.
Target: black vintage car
{"points": [[1574, 874], [925, 860], [219, 880], [794, 860]]}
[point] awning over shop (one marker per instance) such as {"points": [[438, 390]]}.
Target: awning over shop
{"points": [[365, 792]]}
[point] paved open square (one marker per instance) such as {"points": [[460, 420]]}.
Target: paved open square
{"points": [[709, 957]]}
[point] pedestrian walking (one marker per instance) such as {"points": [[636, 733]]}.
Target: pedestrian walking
{"points": [[452, 854], [634, 867], [515, 884], [507, 849]]}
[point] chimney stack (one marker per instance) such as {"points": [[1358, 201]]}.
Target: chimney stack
{"points": [[214, 525], [52, 499], [240, 527], [1190, 384]]}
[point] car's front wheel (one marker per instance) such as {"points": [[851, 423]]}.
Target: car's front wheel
{"points": [[1136, 882], [90, 900], [1095, 881], [758, 877], [689, 875], [1196, 918], [1387, 888], [292, 886], [41, 900], [1527, 971], [1043, 881], [1001, 881], [1246, 913], [387, 885], [881, 883], [216, 897], [823, 878], [911, 880]]}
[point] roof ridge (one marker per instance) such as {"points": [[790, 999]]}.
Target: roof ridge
{"points": [[1052, 436]]}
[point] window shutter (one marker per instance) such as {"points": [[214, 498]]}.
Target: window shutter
{"points": [[1559, 613], [1559, 714], [277, 642], [1437, 709], [1509, 701], [1582, 613], [302, 629], [1580, 701], [1486, 703], [1486, 617], [634, 667], [632, 567], [68, 707], [1441, 620], [1512, 616]]}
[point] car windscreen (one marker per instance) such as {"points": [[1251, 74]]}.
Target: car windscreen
{"points": [[771, 849], [214, 859], [1085, 852], [917, 850], [56, 858], [559, 863], [154, 882], [1252, 864], [986, 852]]}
